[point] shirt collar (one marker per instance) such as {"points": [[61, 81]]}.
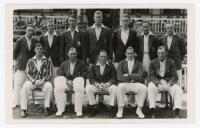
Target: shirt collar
{"points": [[28, 38], [54, 33], [162, 62], [93, 26], [173, 34], [76, 29], [98, 63], [150, 33], [129, 60], [43, 57]]}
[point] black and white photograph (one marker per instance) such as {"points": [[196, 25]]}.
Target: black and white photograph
{"points": [[99, 63]]}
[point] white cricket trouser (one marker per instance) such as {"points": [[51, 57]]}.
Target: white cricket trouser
{"points": [[91, 89], [60, 95], [175, 91], [19, 79], [138, 88], [179, 73], [26, 91]]}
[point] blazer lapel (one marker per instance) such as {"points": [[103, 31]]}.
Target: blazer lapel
{"points": [[54, 41], [101, 33], [165, 42], [129, 36], [166, 66], [26, 43], [69, 35], [150, 41], [173, 41], [46, 41], [142, 43], [126, 67], [105, 70], [134, 66], [94, 34], [157, 65]]}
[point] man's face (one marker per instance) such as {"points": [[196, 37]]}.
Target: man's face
{"points": [[39, 51], [161, 54], [103, 57], [50, 27], [29, 31], [72, 55], [125, 21], [145, 27], [72, 22], [98, 18], [169, 29], [130, 54]]}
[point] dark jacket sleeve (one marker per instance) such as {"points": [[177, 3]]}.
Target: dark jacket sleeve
{"points": [[62, 48], [48, 68], [61, 70], [84, 69], [92, 75], [182, 48], [120, 74], [152, 74], [138, 76], [16, 49], [110, 44], [86, 45], [173, 74], [113, 75]]}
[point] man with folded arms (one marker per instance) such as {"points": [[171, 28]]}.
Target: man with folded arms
{"points": [[130, 78], [102, 77], [39, 73], [70, 77], [163, 77]]}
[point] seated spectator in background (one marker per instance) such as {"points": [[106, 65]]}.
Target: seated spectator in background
{"points": [[102, 77], [51, 44], [20, 23], [70, 77], [39, 72], [163, 77], [35, 22], [22, 52], [130, 78]]}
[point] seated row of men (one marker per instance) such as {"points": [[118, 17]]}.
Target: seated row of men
{"points": [[102, 75]]}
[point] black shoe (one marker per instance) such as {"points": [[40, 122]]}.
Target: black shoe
{"points": [[153, 113], [112, 111], [176, 113], [46, 111], [23, 113], [93, 111]]}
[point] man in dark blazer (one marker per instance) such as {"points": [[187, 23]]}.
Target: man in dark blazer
{"points": [[149, 44], [70, 77], [163, 77], [123, 38], [51, 43], [176, 47], [97, 37], [130, 78], [23, 50], [73, 37], [102, 77]]}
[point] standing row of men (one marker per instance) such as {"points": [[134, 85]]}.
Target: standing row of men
{"points": [[88, 45]]}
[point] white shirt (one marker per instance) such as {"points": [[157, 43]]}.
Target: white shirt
{"points": [[73, 32], [71, 66], [162, 68], [146, 43], [124, 36], [28, 43], [102, 67], [50, 37], [169, 41], [39, 63], [98, 30], [130, 65]]}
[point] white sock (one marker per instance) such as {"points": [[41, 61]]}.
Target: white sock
{"points": [[120, 112]]}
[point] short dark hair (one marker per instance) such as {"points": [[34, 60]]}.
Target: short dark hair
{"points": [[72, 16], [130, 48], [162, 47], [126, 15], [103, 51], [98, 12], [38, 45]]}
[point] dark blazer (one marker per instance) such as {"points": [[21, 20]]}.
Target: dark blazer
{"points": [[52, 51], [177, 50], [92, 46], [170, 71], [22, 54], [67, 41], [119, 48], [135, 76], [109, 74], [80, 70], [153, 45]]}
